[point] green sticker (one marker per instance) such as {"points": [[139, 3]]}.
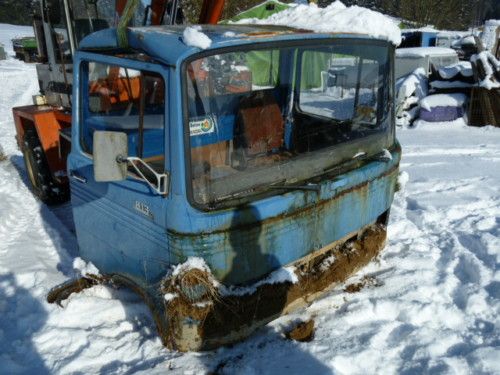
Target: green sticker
{"points": [[200, 127]]}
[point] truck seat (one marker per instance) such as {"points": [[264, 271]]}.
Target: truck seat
{"points": [[259, 126]]}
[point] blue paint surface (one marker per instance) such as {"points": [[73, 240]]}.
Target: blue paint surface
{"points": [[240, 244]]}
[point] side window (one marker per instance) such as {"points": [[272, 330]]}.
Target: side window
{"points": [[340, 86], [125, 100], [233, 73]]}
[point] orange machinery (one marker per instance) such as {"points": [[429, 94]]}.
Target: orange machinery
{"points": [[43, 129]]}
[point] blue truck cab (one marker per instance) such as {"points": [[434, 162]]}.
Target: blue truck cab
{"points": [[272, 149]]}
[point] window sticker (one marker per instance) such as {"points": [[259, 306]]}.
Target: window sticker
{"points": [[200, 127]]}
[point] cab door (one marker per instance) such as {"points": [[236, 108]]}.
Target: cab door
{"points": [[120, 225]]}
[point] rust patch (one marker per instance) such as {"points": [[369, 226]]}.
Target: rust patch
{"points": [[62, 291], [289, 216], [303, 332], [365, 281], [202, 319], [212, 322]]}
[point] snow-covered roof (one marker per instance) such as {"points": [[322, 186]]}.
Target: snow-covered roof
{"points": [[443, 100], [488, 36], [171, 43], [192, 36], [425, 29], [424, 51], [450, 71], [491, 68], [335, 18]]}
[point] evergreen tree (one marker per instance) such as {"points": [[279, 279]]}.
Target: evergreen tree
{"points": [[17, 12]]}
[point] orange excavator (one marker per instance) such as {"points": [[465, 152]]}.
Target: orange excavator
{"points": [[44, 128]]}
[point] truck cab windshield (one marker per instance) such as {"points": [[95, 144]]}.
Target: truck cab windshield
{"points": [[257, 118]]}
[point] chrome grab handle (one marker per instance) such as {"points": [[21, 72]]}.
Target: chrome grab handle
{"points": [[77, 177]]}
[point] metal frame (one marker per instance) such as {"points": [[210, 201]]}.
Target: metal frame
{"points": [[320, 42]]}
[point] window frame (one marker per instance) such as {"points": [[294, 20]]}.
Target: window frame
{"points": [[379, 95], [313, 42], [122, 62]]}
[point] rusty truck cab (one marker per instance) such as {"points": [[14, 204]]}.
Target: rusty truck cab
{"points": [[272, 148]]}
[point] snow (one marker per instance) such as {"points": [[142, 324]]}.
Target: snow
{"points": [[359, 154], [169, 296], [488, 36], [450, 71], [84, 268], [449, 84], [386, 154], [433, 309], [335, 18], [192, 36], [410, 90], [281, 275], [9, 32], [424, 51], [190, 263], [413, 84], [443, 100], [468, 40], [491, 66]]}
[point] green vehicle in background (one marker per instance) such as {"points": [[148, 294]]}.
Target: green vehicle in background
{"points": [[25, 48]]}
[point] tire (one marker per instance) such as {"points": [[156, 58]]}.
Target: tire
{"points": [[43, 184]]}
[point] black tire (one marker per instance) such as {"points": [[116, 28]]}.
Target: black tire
{"points": [[43, 184]]}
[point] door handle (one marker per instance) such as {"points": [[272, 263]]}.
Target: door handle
{"points": [[77, 177]]}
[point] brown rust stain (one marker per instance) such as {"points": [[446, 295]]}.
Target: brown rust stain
{"points": [[218, 321], [303, 332], [293, 215], [365, 281]]}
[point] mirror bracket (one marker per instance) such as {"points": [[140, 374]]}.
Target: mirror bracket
{"points": [[110, 164], [162, 179]]}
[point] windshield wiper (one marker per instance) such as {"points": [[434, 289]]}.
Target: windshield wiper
{"points": [[313, 187], [264, 187]]}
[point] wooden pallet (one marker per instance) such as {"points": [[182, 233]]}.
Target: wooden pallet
{"points": [[484, 108]]}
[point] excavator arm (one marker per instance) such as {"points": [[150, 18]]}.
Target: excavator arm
{"points": [[211, 11]]}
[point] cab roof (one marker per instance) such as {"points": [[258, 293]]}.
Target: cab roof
{"points": [[165, 43]]}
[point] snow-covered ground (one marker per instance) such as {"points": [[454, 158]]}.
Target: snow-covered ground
{"points": [[8, 32], [431, 304]]}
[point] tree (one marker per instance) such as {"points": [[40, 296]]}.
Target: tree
{"points": [[443, 14], [192, 8], [17, 12]]}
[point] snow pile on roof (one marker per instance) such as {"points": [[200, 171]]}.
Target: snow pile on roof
{"points": [[424, 51], [488, 36], [468, 40], [491, 68], [451, 33], [410, 90], [443, 100], [425, 29], [335, 18], [413, 84], [450, 71], [192, 36]]}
